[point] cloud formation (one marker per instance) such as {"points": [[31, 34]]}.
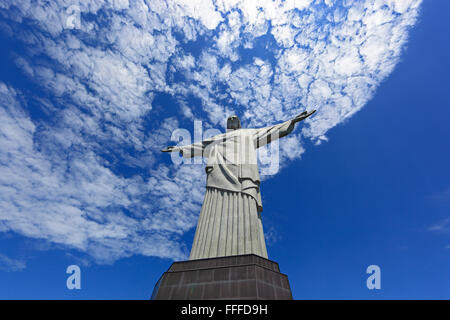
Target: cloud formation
{"points": [[114, 78], [8, 264]]}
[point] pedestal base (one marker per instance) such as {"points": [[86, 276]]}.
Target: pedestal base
{"points": [[247, 277]]}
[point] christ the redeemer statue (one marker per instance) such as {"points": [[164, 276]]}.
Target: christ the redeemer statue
{"points": [[230, 218]]}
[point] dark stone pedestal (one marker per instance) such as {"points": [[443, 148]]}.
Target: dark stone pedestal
{"points": [[247, 277]]}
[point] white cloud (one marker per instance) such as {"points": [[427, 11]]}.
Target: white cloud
{"points": [[441, 226], [202, 10], [9, 264], [58, 178], [79, 202]]}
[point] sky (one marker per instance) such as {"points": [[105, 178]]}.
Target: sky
{"points": [[91, 91]]}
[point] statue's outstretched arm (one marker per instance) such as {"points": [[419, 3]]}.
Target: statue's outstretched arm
{"points": [[170, 149], [266, 135], [303, 116], [192, 150]]}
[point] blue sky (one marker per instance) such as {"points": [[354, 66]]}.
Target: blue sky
{"points": [[87, 103]]}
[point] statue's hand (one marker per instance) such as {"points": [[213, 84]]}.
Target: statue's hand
{"points": [[303, 115], [169, 149]]}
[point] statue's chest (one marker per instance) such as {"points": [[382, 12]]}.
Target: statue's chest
{"points": [[234, 149]]}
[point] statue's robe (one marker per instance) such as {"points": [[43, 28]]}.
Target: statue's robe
{"points": [[230, 218]]}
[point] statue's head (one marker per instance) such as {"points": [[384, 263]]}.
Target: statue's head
{"points": [[233, 123]]}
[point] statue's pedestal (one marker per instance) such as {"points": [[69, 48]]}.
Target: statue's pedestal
{"points": [[247, 277]]}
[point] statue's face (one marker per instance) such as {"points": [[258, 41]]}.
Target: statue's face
{"points": [[233, 123]]}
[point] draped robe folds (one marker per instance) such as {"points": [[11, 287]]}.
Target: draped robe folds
{"points": [[230, 218]]}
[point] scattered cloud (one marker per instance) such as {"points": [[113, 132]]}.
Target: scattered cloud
{"points": [[73, 199], [99, 70], [8, 264], [442, 226]]}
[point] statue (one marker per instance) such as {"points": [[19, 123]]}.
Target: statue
{"points": [[230, 218]]}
